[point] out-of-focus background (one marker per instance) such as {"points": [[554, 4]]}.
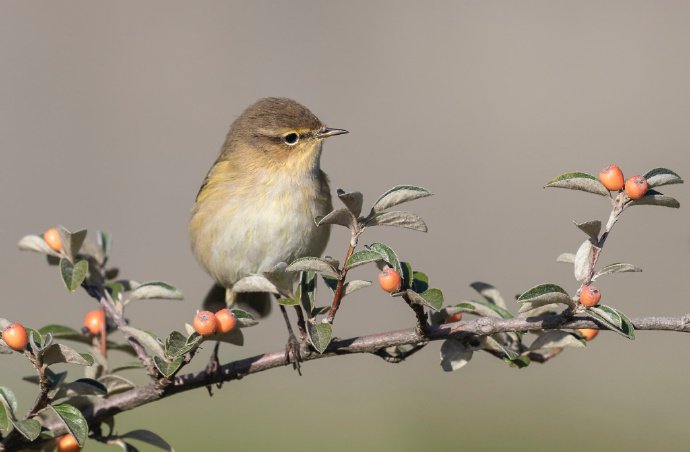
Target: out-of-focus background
{"points": [[111, 114]]}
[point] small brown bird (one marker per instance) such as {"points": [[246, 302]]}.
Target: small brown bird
{"points": [[257, 205]]}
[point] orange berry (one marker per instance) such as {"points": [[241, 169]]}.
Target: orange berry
{"points": [[205, 323], [590, 296], [68, 443], [15, 337], [612, 178], [588, 333], [226, 321], [94, 321], [52, 238], [454, 318], [636, 187], [390, 280]]}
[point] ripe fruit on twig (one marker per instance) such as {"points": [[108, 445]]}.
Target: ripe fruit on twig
{"points": [[636, 187], [94, 321], [205, 323], [590, 296], [225, 320], [390, 280], [52, 238], [588, 333], [15, 337], [68, 443], [612, 178], [454, 318]]}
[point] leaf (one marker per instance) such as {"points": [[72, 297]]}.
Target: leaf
{"points": [[484, 309], [654, 198], [454, 355], [167, 368], [81, 387], [314, 264], [662, 176], [431, 298], [71, 241], [8, 406], [490, 343], [287, 301], [116, 383], [591, 228], [320, 335], [155, 290], [353, 201], [342, 217], [145, 339], [73, 274], [583, 260], [490, 293], [29, 428], [542, 295], [244, 319], [619, 267], [420, 281], [73, 420], [234, 337], [579, 181], [176, 345], [354, 285], [148, 438], [362, 257], [400, 219], [67, 333], [398, 195], [556, 339], [566, 258], [388, 254], [612, 319], [36, 243], [59, 353]]}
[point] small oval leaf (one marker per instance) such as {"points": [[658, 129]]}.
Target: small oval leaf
{"points": [[353, 201], [73, 420], [591, 228], [583, 260], [145, 339], [662, 176], [556, 339], [398, 195], [619, 267], [59, 353], [400, 219], [36, 243], [566, 258], [454, 355], [354, 285], [73, 274], [320, 335], [579, 181], [314, 264], [155, 290], [148, 437], [545, 294], [490, 293], [654, 198], [341, 217], [362, 257]]}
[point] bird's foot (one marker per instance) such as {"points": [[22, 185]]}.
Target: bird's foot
{"points": [[213, 369], [293, 354]]}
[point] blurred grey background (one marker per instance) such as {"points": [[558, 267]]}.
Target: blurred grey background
{"points": [[112, 112]]}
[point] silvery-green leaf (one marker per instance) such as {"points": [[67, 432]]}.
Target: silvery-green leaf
{"points": [[36, 243], [73, 274], [320, 335], [544, 294], [176, 345], [71, 241], [145, 339], [431, 298], [189, 329], [342, 217], [398, 195], [454, 355], [244, 319], [235, 337], [566, 258], [491, 344], [527, 310], [579, 181], [167, 368], [10, 399], [388, 254], [354, 285], [591, 228], [81, 387], [73, 420], [155, 290], [490, 293], [59, 353], [314, 264], [613, 319], [583, 260], [619, 267], [362, 257], [288, 301], [557, 339], [255, 283], [401, 219], [116, 383], [662, 176], [654, 198], [484, 309], [353, 201], [28, 428], [148, 437]]}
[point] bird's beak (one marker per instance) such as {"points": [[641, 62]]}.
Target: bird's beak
{"points": [[328, 132]]}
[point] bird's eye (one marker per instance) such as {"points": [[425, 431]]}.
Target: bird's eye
{"points": [[291, 138]]}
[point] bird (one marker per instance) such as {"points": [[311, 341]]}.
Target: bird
{"points": [[256, 207]]}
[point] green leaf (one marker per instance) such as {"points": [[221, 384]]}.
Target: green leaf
{"points": [[557, 339], [29, 428], [398, 195], [388, 255], [420, 281], [148, 438], [8, 406], [315, 264], [354, 285], [74, 421], [320, 335], [362, 257], [662, 176], [484, 309], [36, 243], [234, 337], [331, 282], [612, 319], [67, 333], [81, 387], [145, 339], [167, 368], [520, 362], [583, 260], [353, 201], [288, 301], [591, 228], [454, 355], [259, 283], [618, 267], [73, 274], [543, 294], [654, 198], [244, 319], [155, 290], [431, 298], [579, 181], [341, 217], [491, 344], [116, 384], [71, 241], [176, 345], [399, 219], [490, 293], [59, 353]]}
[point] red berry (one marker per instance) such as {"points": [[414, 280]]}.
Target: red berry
{"points": [[390, 280], [590, 296], [205, 323], [68, 443], [15, 337], [454, 318], [52, 238], [94, 321], [588, 333], [636, 187], [612, 178], [226, 321]]}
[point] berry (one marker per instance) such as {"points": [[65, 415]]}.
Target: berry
{"points": [[68, 443], [52, 238], [390, 280], [636, 187], [226, 321], [454, 318], [15, 337], [205, 323], [588, 333], [95, 321], [612, 178], [590, 296]]}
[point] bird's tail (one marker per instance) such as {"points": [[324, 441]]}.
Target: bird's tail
{"points": [[256, 303]]}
